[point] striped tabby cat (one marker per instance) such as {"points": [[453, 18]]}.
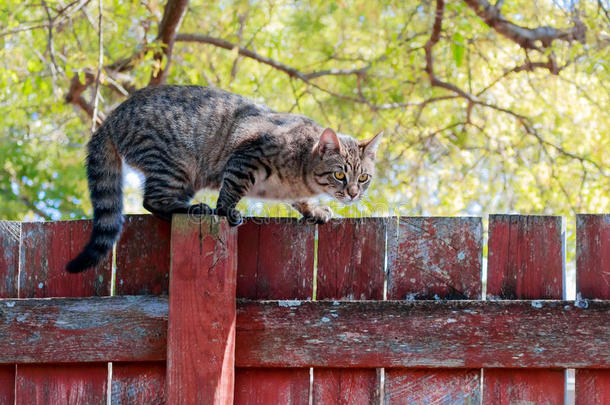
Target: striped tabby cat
{"points": [[185, 138]]}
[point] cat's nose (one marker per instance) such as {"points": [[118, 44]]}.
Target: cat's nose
{"points": [[352, 191]]}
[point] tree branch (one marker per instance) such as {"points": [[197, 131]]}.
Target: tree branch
{"points": [[172, 18], [528, 38]]}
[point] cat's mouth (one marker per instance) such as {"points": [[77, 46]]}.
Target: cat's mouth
{"points": [[346, 199]]}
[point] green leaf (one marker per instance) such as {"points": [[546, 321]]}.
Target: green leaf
{"points": [[457, 48]]}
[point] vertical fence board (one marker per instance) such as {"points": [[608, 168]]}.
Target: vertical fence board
{"points": [[593, 282], [138, 383], [142, 256], [46, 248], [351, 255], [10, 237], [434, 258], [525, 261], [77, 384], [142, 268], [201, 326], [275, 261]]}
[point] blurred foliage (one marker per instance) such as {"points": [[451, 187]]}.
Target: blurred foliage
{"points": [[535, 141]]}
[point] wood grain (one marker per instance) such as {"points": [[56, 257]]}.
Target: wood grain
{"points": [[65, 330], [450, 334], [351, 256], [416, 386], [46, 247], [592, 387], [263, 386], [10, 238], [201, 328], [293, 333], [138, 383], [142, 267], [143, 256], [81, 384], [593, 282], [525, 261], [275, 261], [434, 258]]}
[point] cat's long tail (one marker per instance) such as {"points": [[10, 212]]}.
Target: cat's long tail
{"points": [[104, 173]]}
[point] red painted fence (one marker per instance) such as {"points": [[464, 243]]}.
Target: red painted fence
{"points": [[357, 311]]}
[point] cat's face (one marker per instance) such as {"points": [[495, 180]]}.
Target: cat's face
{"points": [[345, 167]]}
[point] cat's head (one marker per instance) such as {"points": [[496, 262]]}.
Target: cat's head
{"points": [[344, 167]]}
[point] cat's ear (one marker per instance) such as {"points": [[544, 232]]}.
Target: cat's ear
{"points": [[369, 146], [329, 141]]}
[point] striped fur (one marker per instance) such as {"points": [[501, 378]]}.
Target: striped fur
{"points": [[185, 138]]}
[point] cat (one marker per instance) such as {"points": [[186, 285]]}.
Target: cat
{"points": [[186, 138]]}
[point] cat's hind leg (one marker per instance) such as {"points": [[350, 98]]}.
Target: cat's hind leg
{"points": [[163, 199]]}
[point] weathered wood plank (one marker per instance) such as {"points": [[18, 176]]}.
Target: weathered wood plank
{"points": [[429, 334], [138, 383], [351, 256], [593, 256], [10, 237], [342, 386], [46, 248], [201, 327], [593, 281], [435, 257], [275, 261], [142, 256], [525, 261], [81, 384], [264, 386], [142, 267], [417, 386], [7, 384], [454, 334], [592, 387], [510, 387], [64, 330]]}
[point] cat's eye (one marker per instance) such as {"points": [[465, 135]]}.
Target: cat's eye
{"points": [[339, 175], [363, 177]]}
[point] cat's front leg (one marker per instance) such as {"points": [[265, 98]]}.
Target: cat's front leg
{"points": [[239, 176], [313, 212]]}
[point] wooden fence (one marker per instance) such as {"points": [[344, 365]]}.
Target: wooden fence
{"points": [[363, 311]]}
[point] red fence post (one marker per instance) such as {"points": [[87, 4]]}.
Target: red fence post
{"points": [[525, 261], [593, 282], [142, 268], [46, 247], [201, 326], [10, 236], [434, 258], [275, 262], [351, 254]]}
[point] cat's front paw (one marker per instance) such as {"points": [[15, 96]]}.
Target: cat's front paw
{"points": [[233, 216], [319, 215]]}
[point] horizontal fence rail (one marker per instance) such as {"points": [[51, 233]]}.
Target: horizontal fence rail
{"points": [[294, 333], [356, 311]]}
